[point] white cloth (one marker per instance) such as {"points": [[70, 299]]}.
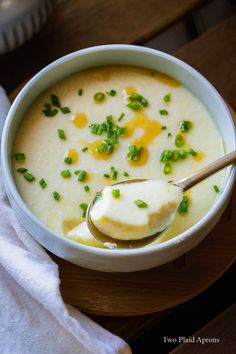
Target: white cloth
{"points": [[33, 317]]}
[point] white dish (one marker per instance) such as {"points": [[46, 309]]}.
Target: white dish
{"points": [[118, 260]]}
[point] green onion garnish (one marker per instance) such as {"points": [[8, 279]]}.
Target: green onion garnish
{"points": [[167, 97], [179, 140], [99, 96], [136, 105], [84, 207], [56, 196], [106, 175], [43, 183], [65, 110], [192, 152], [85, 149], [55, 101], [167, 169], [115, 193], [49, 111], [86, 188], [140, 203], [68, 160], [121, 117], [65, 174], [80, 92], [185, 126], [216, 188], [163, 127], [114, 173], [183, 207], [20, 156], [126, 174], [135, 152], [28, 177], [136, 97], [81, 174], [111, 93], [21, 170], [163, 112], [61, 134]]}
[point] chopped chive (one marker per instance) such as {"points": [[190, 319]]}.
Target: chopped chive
{"points": [[68, 160], [21, 170], [81, 174], [136, 97], [135, 152], [80, 92], [49, 111], [28, 177], [99, 96], [43, 183], [65, 110], [114, 173], [126, 174], [55, 101], [163, 127], [56, 196], [192, 152], [140, 203], [167, 168], [185, 126], [116, 193], [61, 134], [175, 155], [84, 207], [216, 188], [167, 97], [111, 93], [182, 154], [170, 181], [163, 112], [183, 207], [86, 188], [65, 174], [136, 105], [20, 156], [169, 135], [121, 117], [85, 149], [106, 175], [179, 141]]}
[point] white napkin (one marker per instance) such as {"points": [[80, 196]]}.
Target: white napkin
{"points": [[33, 317]]}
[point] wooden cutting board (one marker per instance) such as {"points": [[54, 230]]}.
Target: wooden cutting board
{"points": [[157, 289]]}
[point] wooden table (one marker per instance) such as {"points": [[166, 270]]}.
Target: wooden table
{"points": [[77, 24]]}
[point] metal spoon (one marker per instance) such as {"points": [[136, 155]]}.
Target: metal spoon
{"points": [[185, 184]]}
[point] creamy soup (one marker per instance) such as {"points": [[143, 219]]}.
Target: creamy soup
{"points": [[108, 124]]}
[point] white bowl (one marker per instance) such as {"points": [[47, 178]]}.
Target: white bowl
{"points": [[105, 259]]}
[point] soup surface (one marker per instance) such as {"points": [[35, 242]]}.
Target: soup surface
{"points": [[108, 124]]}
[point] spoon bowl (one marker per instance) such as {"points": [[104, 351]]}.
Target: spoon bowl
{"points": [[185, 184], [110, 242]]}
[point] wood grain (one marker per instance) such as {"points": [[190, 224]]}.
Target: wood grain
{"points": [[222, 328], [214, 55], [77, 24]]}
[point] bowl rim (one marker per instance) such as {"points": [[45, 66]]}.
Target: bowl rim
{"points": [[11, 186]]}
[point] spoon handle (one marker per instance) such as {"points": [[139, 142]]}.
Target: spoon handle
{"points": [[208, 170]]}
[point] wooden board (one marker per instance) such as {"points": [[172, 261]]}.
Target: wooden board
{"points": [[138, 293]]}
